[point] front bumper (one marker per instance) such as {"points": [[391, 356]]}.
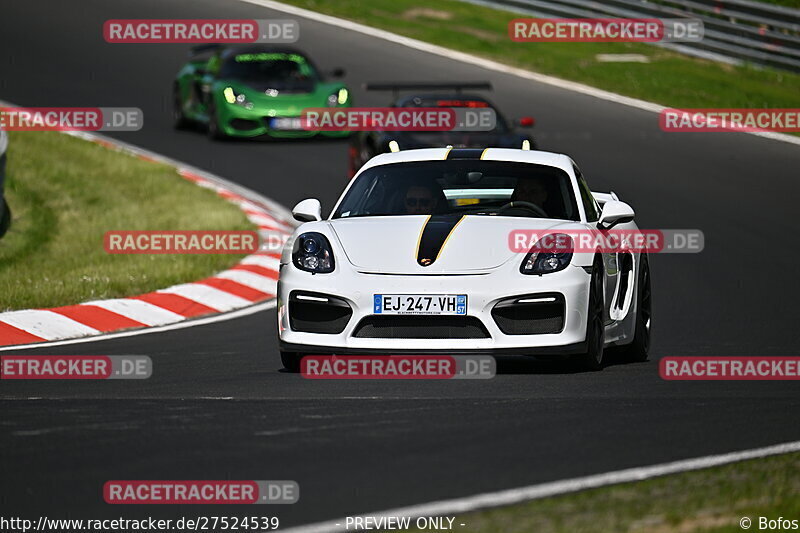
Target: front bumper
{"points": [[237, 121], [484, 291]]}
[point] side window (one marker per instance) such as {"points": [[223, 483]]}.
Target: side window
{"points": [[589, 203]]}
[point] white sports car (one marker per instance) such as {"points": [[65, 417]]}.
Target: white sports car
{"points": [[416, 259]]}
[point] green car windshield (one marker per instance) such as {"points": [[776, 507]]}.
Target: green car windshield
{"points": [[267, 67]]}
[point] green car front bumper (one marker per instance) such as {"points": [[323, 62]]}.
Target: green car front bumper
{"points": [[238, 121]]}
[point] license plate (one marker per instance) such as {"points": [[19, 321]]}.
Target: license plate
{"points": [[286, 123], [420, 304]]}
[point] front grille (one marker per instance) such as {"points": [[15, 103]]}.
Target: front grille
{"points": [[533, 314], [311, 312], [421, 327], [244, 124]]}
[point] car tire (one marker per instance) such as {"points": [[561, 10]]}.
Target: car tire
{"points": [[179, 120], [592, 358], [5, 218], [639, 349], [291, 361], [214, 131]]}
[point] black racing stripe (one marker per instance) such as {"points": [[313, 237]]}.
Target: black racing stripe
{"points": [[434, 234], [465, 153]]}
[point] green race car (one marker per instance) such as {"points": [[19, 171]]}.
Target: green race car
{"points": [[247, 91]]}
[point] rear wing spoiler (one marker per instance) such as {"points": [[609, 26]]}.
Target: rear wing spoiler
{"points": [[398, 86]]}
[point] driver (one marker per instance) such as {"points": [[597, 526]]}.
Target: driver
{"points": [[531, 190], [420, 200]]}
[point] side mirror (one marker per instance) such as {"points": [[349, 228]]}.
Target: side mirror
{"points": [[337, 73], [309, 210], [614, 212], [526, 122]]}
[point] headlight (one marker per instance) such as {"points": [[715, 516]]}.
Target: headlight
{"points": [[312, 252], [551, 253], [234, 98], [338, 98]]}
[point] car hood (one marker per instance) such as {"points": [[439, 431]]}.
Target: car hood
{"points": [[281, 87], [389, 244], [457, 139], [286, 101]]}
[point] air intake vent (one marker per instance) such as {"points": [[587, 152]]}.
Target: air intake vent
{"points": [[311, 312], [421, 327], [533, 314]]}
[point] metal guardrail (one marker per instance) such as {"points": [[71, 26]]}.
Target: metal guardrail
{"points": [[736, 31]]}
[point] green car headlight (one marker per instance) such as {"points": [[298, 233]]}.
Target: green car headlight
{"points": [[338, 98], [234, 98]]}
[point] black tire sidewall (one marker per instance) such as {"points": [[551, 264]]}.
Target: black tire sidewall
{"points": [[591, 359], [291, 361], [178, 119], [214, 132], [5, 219], [638, 350]]}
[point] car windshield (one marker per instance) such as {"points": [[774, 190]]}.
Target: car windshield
{"points": [[267, 67], [466, 186]]}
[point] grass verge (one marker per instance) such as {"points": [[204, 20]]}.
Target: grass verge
{"points": [[65, 193], [669, 78], [786, 3], [709, 501]]}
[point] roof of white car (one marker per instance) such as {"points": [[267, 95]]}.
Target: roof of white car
{"points": [[489, 154]]}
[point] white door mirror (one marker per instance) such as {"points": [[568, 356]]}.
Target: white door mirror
{"points": [[309, 210], [615, 212]]}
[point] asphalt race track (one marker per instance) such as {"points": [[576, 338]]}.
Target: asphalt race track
{"points": [[219, 407]]}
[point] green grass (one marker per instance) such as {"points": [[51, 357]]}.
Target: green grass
{"points": [[707, 501], [788, 3], [670, 79], [65, 193]]}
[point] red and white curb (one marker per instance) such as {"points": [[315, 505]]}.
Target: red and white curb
{"points": [[252, 281]]}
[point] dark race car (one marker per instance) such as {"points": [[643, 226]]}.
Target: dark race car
{"points": [[367, 144]]}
